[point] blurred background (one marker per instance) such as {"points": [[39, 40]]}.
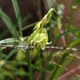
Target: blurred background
{"points": [[33, 11]]}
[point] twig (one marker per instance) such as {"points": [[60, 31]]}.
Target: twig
{"points": [[4, 46], [70, 72]]}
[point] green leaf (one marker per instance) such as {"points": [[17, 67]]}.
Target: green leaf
{"points": [[6, 73], [50, 66], [11, 53], [78, 1], [20, 56], [9, 40], [9, 24], [72, 27], [4, 33], [28, 26], [28, 60], [18, 16], [77, 78], [64, 33]]}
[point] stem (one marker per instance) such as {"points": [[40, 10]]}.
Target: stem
{"points": [[29, 64], [57, 69]]}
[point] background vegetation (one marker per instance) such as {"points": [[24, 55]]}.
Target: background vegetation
{"points": [[42, 61]]}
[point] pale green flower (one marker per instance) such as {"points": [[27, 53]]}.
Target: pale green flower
{"points": [[39, 37]]}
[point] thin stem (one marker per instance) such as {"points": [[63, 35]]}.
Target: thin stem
{"points": [[29, 64], [57, 69]]}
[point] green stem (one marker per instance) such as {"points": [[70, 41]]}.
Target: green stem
{"points": [[18, 15], [29, 64], [58, 69], [62, 62], [41, 70]]}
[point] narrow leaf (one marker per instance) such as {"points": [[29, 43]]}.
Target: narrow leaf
{"points": [[27, 54], [9, 24], [17, 14], [9, 40]]}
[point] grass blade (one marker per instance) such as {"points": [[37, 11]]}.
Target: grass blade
{"points": [[9, 40], [18, 16], [29, 64], [29, 26], [62, 62], [64, 33], [9, 24], [4, 33], [58, 69]]}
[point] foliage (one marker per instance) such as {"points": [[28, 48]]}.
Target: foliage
{"points": [[18, 63]]}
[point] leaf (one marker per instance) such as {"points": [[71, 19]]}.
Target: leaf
{"points": [[78, 1], [77, 78], [4, 33], [28, 60], [9, 40], [9, 24], [33, 53], [6, 73], [72, 27], [18, 16], [20, 55], [29, 26]]}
